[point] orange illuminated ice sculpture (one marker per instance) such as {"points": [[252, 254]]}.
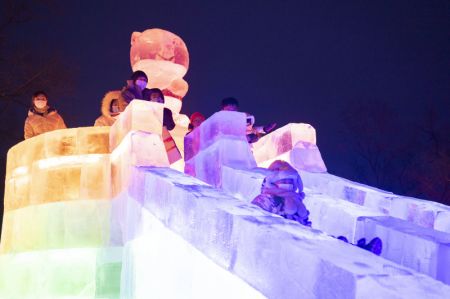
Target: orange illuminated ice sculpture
{"points": [[164, 57]]}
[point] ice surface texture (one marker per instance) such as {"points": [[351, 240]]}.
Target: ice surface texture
{"points": [[219, 141], [278, 257]]}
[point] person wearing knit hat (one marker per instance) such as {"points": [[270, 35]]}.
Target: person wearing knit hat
{"points": [[41, 117], [195, 120], [136, 87]]}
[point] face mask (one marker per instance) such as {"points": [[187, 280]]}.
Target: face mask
{"points": [[114, 109], [40, 104], [141, 84]]}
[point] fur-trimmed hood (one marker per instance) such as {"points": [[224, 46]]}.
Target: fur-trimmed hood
{"points": [[106, 103]]}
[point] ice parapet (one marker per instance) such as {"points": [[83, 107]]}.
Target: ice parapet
{"points": [[246, 241], [67, 142], [59, 179], [136, 149], [293, 143], [334, 216], [421, 212], [138, 116], [219, 141], [422, 249]]}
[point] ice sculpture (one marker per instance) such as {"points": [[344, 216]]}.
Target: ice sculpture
{"points": [[164, 57], [97, 213], [293, 143]]}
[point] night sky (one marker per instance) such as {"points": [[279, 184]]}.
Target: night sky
{"points": [[285, 61]]}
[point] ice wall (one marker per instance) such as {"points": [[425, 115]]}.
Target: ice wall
{"points": [[56, 223], [339, 217]]}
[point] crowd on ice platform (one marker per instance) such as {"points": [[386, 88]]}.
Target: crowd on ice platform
{"points": [[282, 190]]}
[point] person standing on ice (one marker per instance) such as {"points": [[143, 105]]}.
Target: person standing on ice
{"points": [[41, 117], [112, 106], [156, 95], [173, 153], [253, 133], [135, 88]]}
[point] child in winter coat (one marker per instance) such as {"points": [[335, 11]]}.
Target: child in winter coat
{"points": [[282, 193]]}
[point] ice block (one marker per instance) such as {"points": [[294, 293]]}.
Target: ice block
{"points": [[81, 223], [68, 273], [282, 140], [59, 179], [218, 141], [221, 125], [76, 141], [419, 248], [137, 148], [138, 116]]}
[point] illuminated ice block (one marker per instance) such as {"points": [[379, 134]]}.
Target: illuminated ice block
{"points": [[69, 273], [207, 164], [419, 248], [138, 116], [244, 184], [219, 141], [71, 178], [282, 141], [277, 257], [76, 141], [81, 223], [59, 179], [161, 54], [136, 149], [160, 259], [221, 125]]}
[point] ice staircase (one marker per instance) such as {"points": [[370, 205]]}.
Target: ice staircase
{"points": [[98, 213]]}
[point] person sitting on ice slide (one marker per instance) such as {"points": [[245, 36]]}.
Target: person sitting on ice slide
{"points": [[282, 193], [253, 133]]}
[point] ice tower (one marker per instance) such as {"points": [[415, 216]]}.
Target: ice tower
{"points": [[98, 212]]}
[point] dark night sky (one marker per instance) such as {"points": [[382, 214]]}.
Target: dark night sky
{"points": [[286, 61]]}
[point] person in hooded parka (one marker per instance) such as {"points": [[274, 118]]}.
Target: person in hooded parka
{"points": [[41, 117], [112, 106]]}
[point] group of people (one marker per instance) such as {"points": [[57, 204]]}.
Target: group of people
{"points": [[44, 118]]}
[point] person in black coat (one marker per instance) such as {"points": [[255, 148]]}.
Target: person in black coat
{"points": [[135, 88], [156, 95]]}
